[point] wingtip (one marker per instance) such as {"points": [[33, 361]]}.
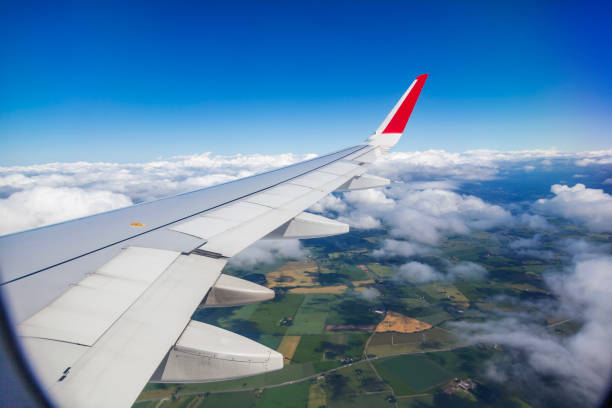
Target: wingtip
{"points": [[401, 113]]}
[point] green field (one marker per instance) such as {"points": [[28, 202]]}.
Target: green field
{"points": [[381, 270], [352, 272], [351, 310], [308, 323], [409, 365], [235, 399], [444, 291], [436, 318], [463, 362], [360, 401], [288, 373], [349, 386], [312, 314], [309, 349], [353, 342], [291, 396], [268, 315], [384, 344], [329, 347], [413, 302], [355, 386], [425, 401], [244, 399], [411, 374]]}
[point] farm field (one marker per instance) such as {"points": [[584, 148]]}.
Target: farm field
{"points": [[312, 314], [291, 396], [355, 385], [268, 316], [435, 318], [381, 271], [411, 374], [416, 401], [288, 346], [395, 322], [316, 395], [296, 273], [330, 347], [383, 344], [361, 283], [244, 399], [445, 291], [328, 290], [349, 253], [308, 323], [322, 318]]}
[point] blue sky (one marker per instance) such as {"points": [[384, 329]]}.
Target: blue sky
{"points": [[93, 81]]}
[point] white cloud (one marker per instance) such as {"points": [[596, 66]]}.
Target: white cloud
{"points": [[370, 199], [430, 185], [329, 203], [268, 251], [144, 181], [466, 270], [417, 272], [431, 164], [369, 294], [469, 165], [535, 221], [393, 247], [583, 360], [581, 249], [363, 208], [522, 243], [426, 216], [31, 196], [607, 181], [422, 215], [428, 173], [587, 206], [599, 157], [361, 221], [531, 247], [47, 205]]}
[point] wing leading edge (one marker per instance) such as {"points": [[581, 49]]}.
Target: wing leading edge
{"points": [[105, 307]]}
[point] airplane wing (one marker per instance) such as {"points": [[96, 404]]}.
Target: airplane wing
{"points": [[101, 305]]}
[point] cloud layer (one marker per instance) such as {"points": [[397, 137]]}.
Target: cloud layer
{"points": [[421, 208], [586, 206], [46, 205], [416, 211], [582, 361], [417, 272], [431, 172], [32, 196], [269, 250]]}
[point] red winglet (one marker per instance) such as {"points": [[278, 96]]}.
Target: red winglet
{"points": [[399, 120]]}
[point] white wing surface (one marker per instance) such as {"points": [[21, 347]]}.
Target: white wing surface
{"points": [[101, 305]]}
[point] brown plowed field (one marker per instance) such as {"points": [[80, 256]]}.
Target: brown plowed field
{"points": [[395, 322]]}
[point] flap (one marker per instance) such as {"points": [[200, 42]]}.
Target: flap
{"points": [[84, 312], [208, 353]]}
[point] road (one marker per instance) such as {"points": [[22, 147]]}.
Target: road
{"points": [[300, 380]]}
